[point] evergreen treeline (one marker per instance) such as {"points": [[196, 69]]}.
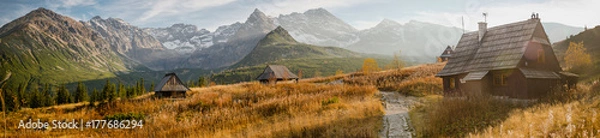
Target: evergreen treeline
{"points": [[35, 96]]}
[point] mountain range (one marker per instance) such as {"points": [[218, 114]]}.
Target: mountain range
{"points": [[416, 41], [43, 46]]}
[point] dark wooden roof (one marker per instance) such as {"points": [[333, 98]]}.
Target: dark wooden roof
{"points": [[477, 75], [447, 53], [277, 71], [539, 74], [170, 83], [502, 47]]}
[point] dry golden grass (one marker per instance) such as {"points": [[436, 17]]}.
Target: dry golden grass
{"points": [[574, 116], [249, 109], [416, 81], [573, 113], [241, 110]]}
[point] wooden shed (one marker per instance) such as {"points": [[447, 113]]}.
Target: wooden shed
{"points": [[446, 54], [276, 73], [171, 86], [514, 60]]}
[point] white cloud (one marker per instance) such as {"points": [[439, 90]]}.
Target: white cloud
{"points": [[277, 7], [178, 7], [574, 12], [71, 3]]}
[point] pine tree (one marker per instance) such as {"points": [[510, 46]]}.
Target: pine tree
{"points": [[49, 95], [122, 91], [63, 96], [129, 92], [96, 96], [112, 92], [201, 81], [152, 86], [80, 93], [109, 91], [136, 89], [35, 97], [142, 87], [44, 95]]}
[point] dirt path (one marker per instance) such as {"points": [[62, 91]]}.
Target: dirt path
{"points": [[396, 121]]}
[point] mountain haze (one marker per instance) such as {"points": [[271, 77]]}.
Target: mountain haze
{"points": [[318, 27], [279, 45]]}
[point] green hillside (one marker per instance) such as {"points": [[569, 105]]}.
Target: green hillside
{"points": [[278, 45], [45, 47]]}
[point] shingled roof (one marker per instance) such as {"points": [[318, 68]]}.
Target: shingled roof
{"points": [[170, 83], [279, 71], [502, 47], [447, 53]]}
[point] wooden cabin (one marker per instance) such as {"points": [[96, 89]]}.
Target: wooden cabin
{"points": [[276, 73], [446, 54], [170, 86], [514, 60]]}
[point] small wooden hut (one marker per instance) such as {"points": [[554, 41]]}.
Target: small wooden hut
{"points": [[171, 86], [276, 73], [446, 54]]}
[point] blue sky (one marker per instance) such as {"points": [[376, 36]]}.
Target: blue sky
{"points": [[361, 14]]}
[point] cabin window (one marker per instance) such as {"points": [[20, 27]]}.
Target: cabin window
{"points": [[541, 56], [500, 79], [452, 83]]}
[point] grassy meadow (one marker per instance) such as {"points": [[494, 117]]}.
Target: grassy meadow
{"points": [[241, 110], [311, 108]]}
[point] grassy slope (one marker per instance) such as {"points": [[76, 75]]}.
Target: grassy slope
{"points": [[242, 110], [246, 109], [591, 43], [32, 62], [571, 113]]}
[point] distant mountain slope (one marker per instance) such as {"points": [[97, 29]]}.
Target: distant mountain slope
{"points": [[44, 46], [558, 32], [237, 46], [279, 45], [187, 38], [134, 44], [318, 27], [415, 39]]}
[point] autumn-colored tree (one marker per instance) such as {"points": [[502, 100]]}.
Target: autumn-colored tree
{"points": [[576, 58], [370, 65], [397, 62], [339, 72], [317, 74], [300, 74]]}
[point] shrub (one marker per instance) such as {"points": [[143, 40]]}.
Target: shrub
{"points": [[330, 101]]}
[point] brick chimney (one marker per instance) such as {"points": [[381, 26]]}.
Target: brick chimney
{"points": [[482, 30]]}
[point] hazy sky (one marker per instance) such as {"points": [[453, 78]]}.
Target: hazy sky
{"points": [[361, 14]]}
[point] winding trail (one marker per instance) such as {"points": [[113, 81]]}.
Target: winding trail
{"points": [[396, 122]]}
